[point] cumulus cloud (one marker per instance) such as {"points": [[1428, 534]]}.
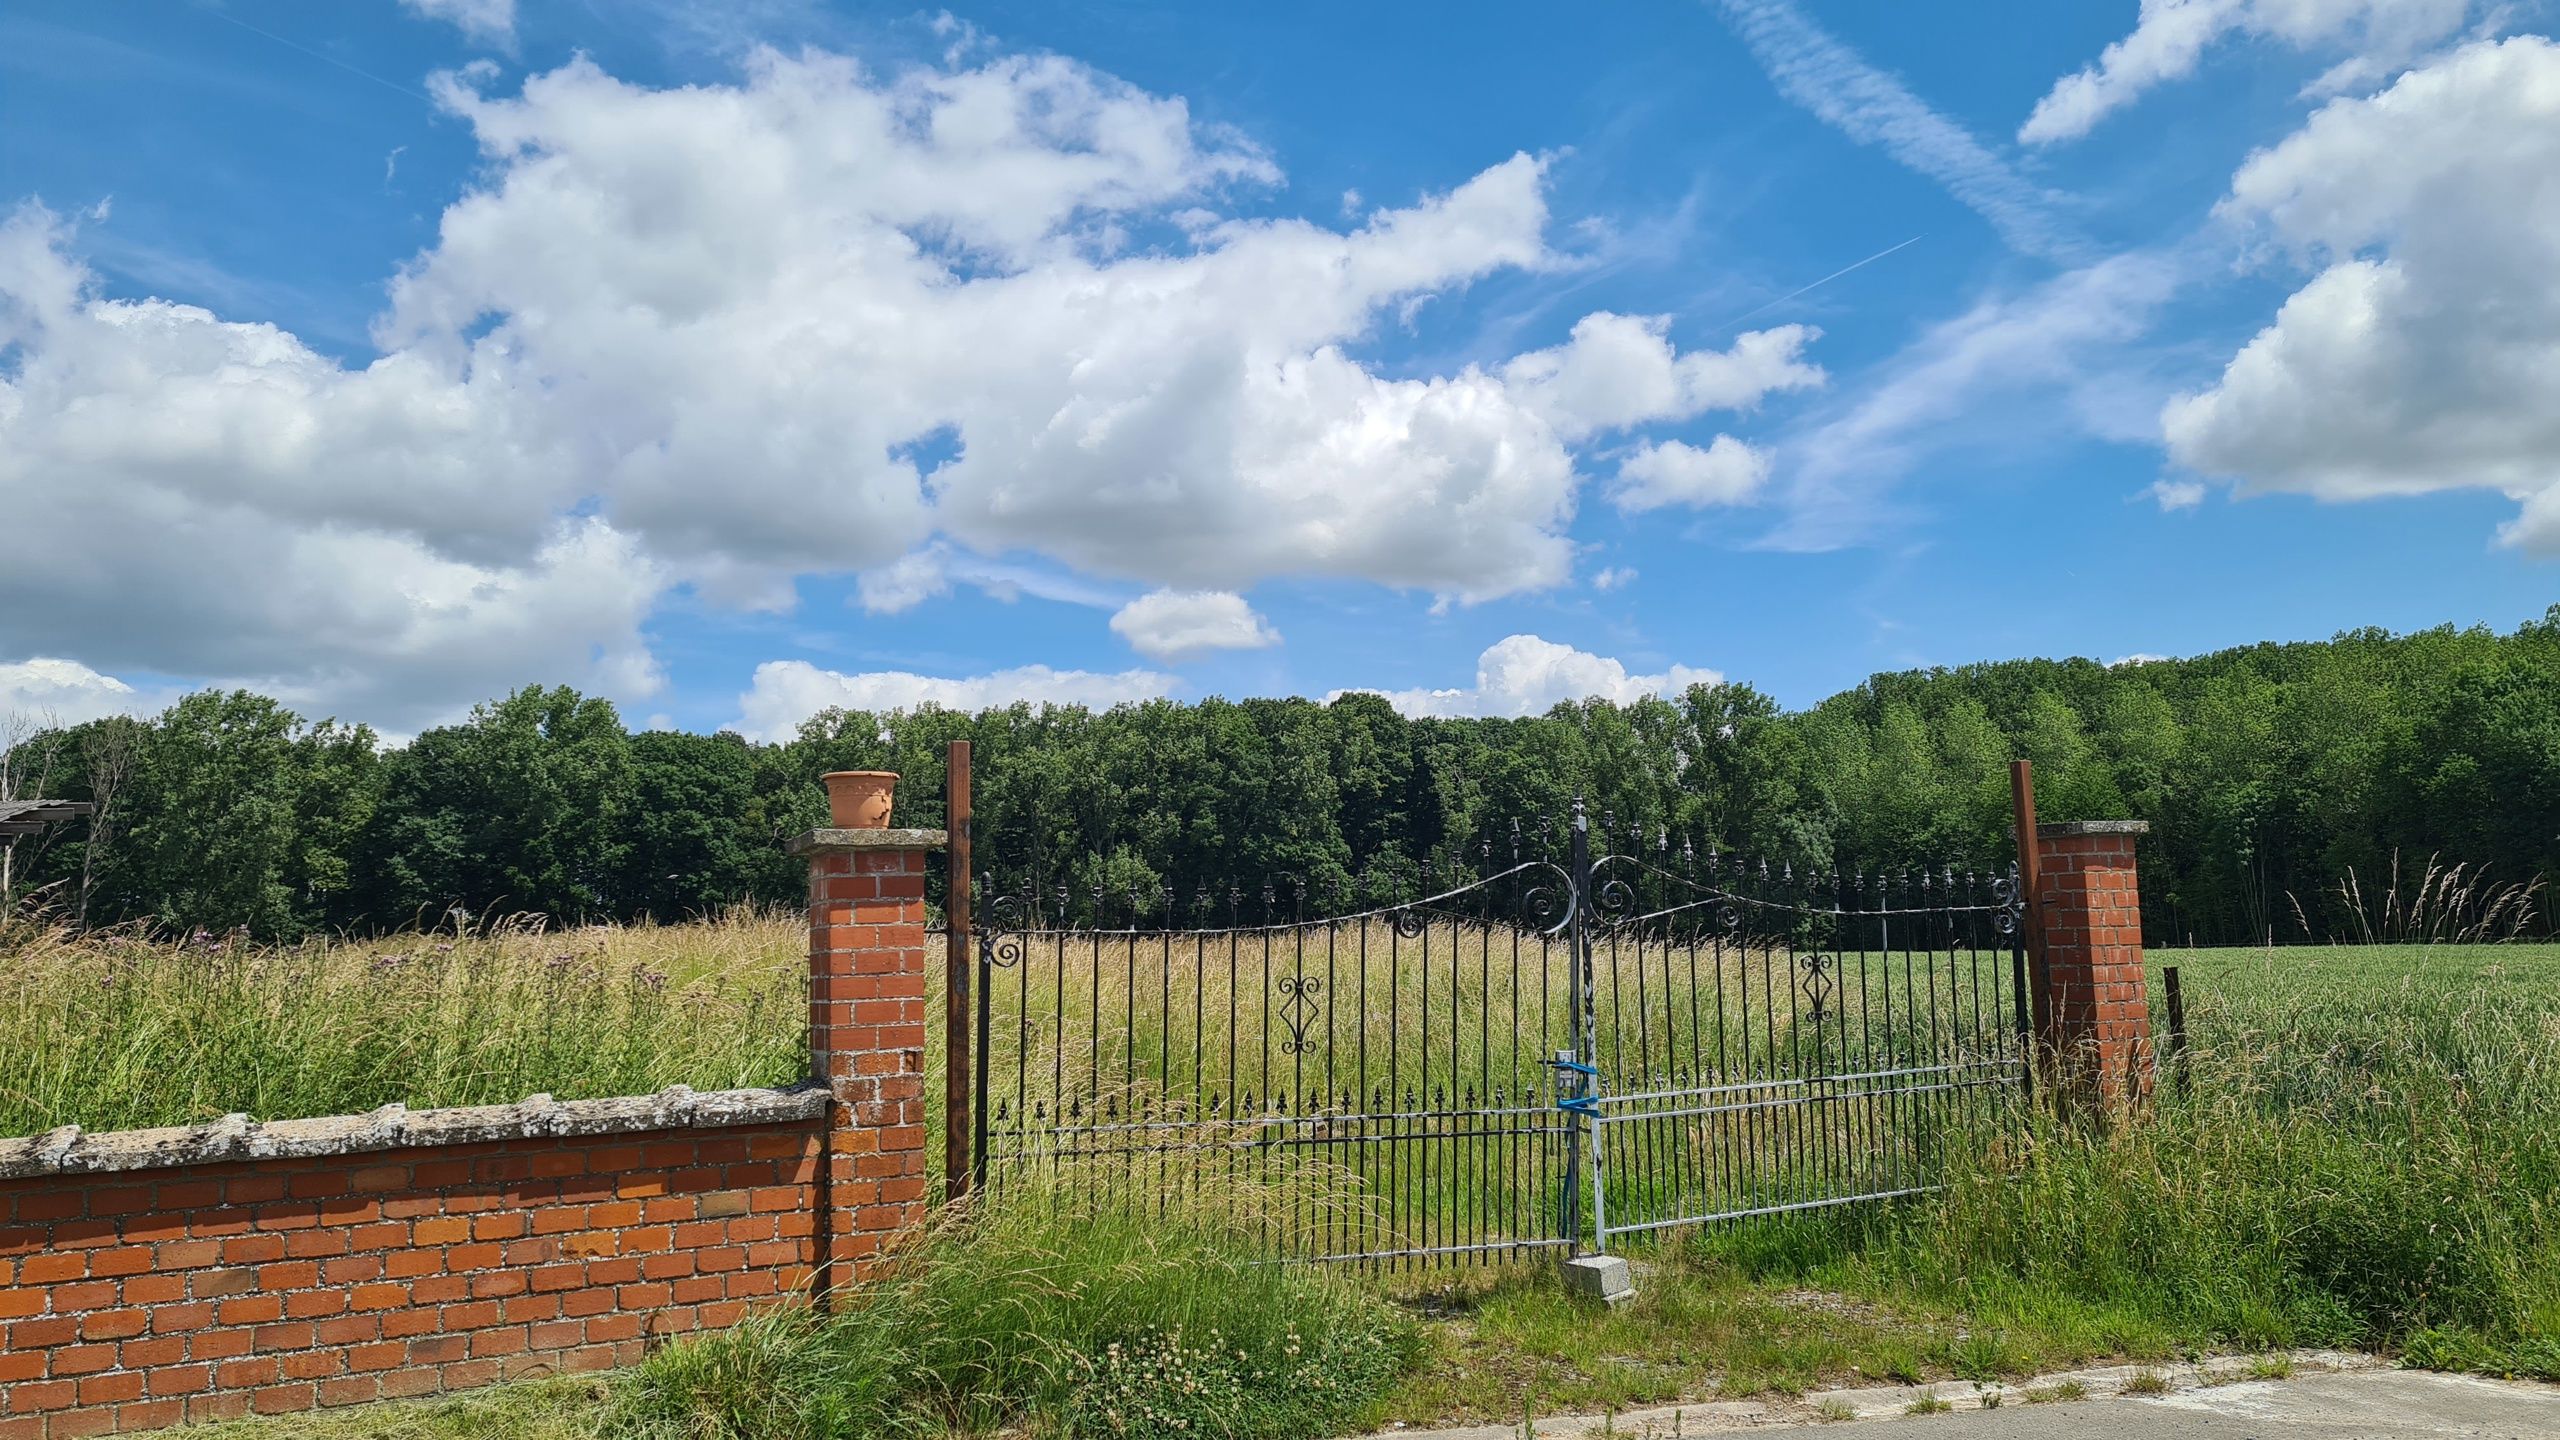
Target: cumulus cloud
{"points": [[784, 693], [1727, 472], [1613, 577], [1175, 625], [1621, 370], [64, 692], [216, 500], [2170, 39], [2425, 354], [491, 22], [1525, 675], [819, 321]]}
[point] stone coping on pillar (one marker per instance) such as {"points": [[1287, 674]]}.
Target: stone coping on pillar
{"points": [[2064, 829], [823, 842]]}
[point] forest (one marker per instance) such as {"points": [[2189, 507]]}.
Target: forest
{"points": [[2284, 784]]}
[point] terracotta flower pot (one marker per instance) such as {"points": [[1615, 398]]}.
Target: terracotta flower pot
{"points": [[859, 799]]}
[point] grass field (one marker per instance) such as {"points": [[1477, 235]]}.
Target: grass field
{"points": [[2364, 1154]]}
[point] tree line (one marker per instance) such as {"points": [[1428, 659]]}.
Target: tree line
{"points": [[2270, 774]]}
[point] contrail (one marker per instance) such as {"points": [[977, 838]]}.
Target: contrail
{"points": [[1872, 107], [324, 59], [1816, 285]]}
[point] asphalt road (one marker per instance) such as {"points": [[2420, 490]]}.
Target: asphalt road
{"points": [[2351, 1405], [2365, 1404]]}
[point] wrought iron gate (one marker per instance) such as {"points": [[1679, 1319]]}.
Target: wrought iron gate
{"points": [[1534, 1051]]}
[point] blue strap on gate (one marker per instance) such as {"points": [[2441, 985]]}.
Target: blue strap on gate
{"points": [[1587, 1103]]}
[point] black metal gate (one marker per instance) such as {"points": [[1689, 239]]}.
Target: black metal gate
{"points": [[1534, 1051]]}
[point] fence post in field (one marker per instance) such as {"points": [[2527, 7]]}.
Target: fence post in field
{"points": [[958, 1123], [2093, 1003], [867, 1037]]}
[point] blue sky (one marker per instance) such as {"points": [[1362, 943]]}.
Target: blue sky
{"points": [[736, 360]]}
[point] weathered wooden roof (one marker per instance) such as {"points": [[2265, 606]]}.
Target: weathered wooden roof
{"points": [[26, 817]]}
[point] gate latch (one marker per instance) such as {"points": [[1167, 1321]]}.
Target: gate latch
{"points": [[1586, 1103]]}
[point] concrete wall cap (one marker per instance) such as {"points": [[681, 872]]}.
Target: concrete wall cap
{"points": [[71, 1151], [2064, 829], [822, 842]]}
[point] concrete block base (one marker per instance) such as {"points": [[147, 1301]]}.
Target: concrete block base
{"points": [[1599, 1277]]}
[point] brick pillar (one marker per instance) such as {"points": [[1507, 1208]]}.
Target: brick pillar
{"points": [[2093, 1009], [866, 1037]]}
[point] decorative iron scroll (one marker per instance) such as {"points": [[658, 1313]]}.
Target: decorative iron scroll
{"points": [[1297, 1007], [1817, 983]]}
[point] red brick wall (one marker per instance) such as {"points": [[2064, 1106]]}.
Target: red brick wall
{"points": [[2096, 1004], [138, 1299], [142, 1290]]}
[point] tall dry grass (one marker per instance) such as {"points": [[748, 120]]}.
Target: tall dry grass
{"points": [[2452, 903], [124, 1030]]}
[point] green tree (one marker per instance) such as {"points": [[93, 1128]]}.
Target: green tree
{"points": [[690, 843], [240, 815], [521, 807]]}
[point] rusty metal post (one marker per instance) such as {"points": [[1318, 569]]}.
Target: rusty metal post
{"points": [[2177, 1031], [957, 1122], [2022, 805]]}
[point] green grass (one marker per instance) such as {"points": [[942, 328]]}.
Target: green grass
{"points": [[1697, 1328], [2367, 1158]]}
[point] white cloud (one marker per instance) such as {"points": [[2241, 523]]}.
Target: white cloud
{"points": [[709, 337], [786, 692], [2172, 495], [2425, 356], [2138, 657], [1613, 577], [1869, 106], [217, 501], [1175, 625], [906, 582], [64, 692], [1621, 370], [492, 22], [1525, 675], [1727, 472], [2171, 37]]}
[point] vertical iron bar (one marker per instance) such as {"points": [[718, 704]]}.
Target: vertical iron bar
{"points": [[2022, 807], [1586, 1008], [986, 1042]]}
